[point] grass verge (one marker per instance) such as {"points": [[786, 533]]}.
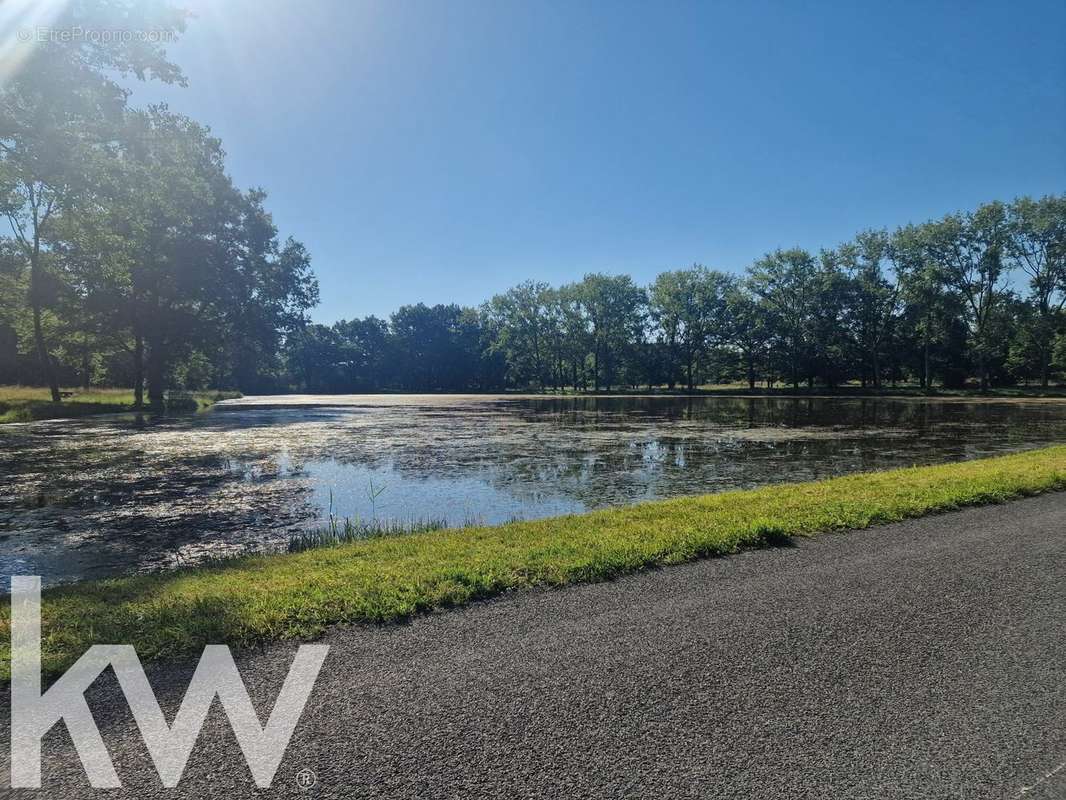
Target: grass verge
{"points": [[260, 598], [30, 403]]}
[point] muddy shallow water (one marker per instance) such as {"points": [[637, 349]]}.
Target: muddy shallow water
{"points": [[119, 494]]}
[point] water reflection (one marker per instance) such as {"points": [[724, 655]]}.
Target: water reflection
{"points": [[105, 496]]}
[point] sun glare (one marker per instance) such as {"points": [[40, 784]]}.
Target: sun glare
{"points": [[23, 25]]}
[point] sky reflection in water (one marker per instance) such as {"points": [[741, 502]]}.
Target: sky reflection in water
{"points": [[106, 496]]}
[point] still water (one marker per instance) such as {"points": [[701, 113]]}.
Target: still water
{"points": [[120, 494]]}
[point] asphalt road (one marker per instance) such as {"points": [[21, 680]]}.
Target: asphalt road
{"points": [[918, 660]]}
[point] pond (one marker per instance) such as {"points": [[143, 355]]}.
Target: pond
{"points": [[112, 495]]}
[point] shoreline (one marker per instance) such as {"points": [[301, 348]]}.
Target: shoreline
{"points": [[23, 411], [429, 398], [251, 600]]}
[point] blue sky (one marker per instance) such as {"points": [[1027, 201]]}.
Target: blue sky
{"points": [[444, 151]]}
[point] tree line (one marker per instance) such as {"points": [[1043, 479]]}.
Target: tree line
{"points": [[975, 296], [132, 259]]}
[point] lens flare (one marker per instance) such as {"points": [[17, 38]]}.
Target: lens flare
{"points": [[24, 24]]}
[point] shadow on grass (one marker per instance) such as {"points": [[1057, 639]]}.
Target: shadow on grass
{"points": [[769, 535]]}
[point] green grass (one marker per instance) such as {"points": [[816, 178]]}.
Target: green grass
{"points": [[295, 596], [29, 403]]}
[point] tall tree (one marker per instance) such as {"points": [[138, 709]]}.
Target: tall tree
{"points": [[182, 211], [969, 250], [1036, 241], [667, 298], [690, 310], [368, 353], [58, 108], [577, 335], [872, 264], [520, 317], [786, 283], [749, 330], [267, 288], [438, 347], [614, 306]]}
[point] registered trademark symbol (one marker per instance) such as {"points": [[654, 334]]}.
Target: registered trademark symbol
{"points": [[306, 778]]}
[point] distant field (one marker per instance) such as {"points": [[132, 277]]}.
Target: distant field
{"points": [[29, 403], [857, 389]]}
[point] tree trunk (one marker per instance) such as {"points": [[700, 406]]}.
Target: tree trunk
{"points": [[45, 358], [86, 366], [138, 370], [927, 378], [43, 355], [155, 375]]}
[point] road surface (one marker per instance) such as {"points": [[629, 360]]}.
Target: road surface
{"points": [[919, 660]]}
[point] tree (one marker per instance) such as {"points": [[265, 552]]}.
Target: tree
{"points": [[750, 334], [871, 262], [832, 344], [367, 350], [614, 307], [183, 216], [785, 281], [520, 318], [690, 311], [969, 251], [42, 148], [438, 347], [315, 356], [266, 290], [667, 298], [577, 340], [57, 113], [1036, 241]]}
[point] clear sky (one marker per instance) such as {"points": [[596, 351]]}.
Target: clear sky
{"points": [[444, 151]]}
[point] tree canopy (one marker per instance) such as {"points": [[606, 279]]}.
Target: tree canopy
{"points": [[971, 296], [132, 257]]}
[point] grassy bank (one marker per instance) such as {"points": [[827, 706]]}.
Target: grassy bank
{"points": [[260, 598], [29, 403]]}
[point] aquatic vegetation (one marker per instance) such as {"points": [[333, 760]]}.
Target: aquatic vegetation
{"points": [[296, 596], [109, 496], [338, 532]]}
